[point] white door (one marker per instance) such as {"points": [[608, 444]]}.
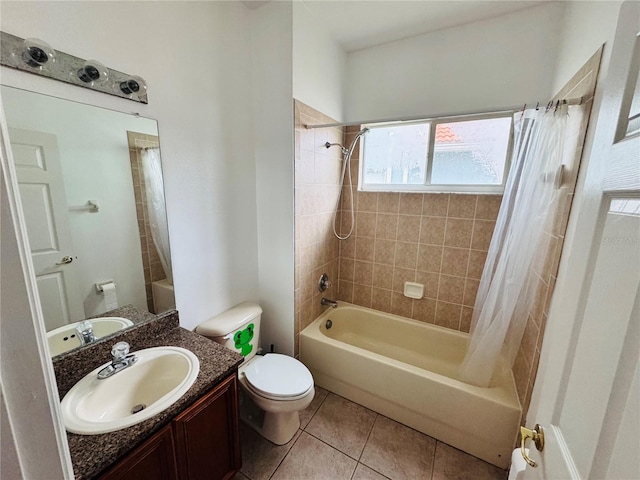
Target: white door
{"points": [[587, 393], [46, 214]]}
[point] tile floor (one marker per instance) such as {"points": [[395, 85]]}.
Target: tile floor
{"points": [[339, 439]]}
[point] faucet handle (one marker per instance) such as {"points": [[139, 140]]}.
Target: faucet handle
{"points": [[119, 351], [84, 327]]}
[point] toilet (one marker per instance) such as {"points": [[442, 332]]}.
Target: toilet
{"points": [[279, 385]]}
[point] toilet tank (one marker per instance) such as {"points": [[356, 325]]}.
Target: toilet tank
{"points": [[238, 328]]}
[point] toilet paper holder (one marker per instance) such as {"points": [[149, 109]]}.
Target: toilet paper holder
{"points": [[100, 286]]}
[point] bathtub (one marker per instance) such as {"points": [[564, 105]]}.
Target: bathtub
{"points": [[406, 370]]}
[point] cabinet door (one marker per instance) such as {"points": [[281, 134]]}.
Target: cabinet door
{"points": [[153, 460], [207, 439]]}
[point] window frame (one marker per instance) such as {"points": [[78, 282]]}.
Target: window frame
{"points": [[429, 187]]}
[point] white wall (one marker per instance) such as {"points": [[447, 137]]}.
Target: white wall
{"points": [[195, 57], [271, 33], [585, 27], [94, 156], [319, 64], [492, 64]]}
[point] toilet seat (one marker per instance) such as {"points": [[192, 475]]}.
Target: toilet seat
{"points": [[278, 377]]}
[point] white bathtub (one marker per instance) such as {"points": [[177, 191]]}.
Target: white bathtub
{"points": [[406, 370]]}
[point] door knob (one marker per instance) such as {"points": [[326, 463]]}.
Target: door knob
{"points": [[65, 260], [537, 435]]}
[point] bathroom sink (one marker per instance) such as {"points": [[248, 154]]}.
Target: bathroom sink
{"points": [[65, 338], [156, 381]]}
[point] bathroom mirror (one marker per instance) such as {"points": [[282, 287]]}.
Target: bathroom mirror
{"points": [[93, 198]]}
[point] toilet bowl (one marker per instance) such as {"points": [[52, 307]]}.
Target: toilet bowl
{"points": [[281, 386], [277, 384]]}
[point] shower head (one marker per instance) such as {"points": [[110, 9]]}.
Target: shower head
{"points": [[347, 151]]}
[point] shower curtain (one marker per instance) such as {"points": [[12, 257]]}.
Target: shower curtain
{"points": [[156, 207], [507, 287]]}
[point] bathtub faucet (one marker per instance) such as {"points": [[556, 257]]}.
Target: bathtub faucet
{"points": [[331, 303]]}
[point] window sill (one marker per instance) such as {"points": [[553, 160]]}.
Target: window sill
{"points": [[468, 189]]}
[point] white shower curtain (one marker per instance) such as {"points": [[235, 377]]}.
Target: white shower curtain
{"points": [[507, 287], [156, 207]]}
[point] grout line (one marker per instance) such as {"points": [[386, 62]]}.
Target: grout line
{"points": [[433, 460], [368, 435], [316, 412], [334, 448], [285, 455]]}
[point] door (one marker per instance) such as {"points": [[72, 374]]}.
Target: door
{"points": [[46, 214], [587, 392]]}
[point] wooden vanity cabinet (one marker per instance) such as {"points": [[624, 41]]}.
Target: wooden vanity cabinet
{"points": [[207, 439], [153, 460], [202, 442]]}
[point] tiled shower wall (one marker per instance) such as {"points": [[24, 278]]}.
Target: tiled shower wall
{"points": [[151, 265], [317, 184], [438, 240]]}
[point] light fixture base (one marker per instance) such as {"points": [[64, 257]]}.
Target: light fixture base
{"points": [[66, 68]]}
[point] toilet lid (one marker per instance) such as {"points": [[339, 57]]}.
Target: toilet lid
{"points": [[278, 375]]}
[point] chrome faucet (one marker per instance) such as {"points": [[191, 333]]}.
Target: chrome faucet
{"points": [[331, 303], [85, 332], [121, 360]]}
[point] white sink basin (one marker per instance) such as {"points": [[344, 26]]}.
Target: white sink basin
{"points": [[155, 382], [65, 338]]}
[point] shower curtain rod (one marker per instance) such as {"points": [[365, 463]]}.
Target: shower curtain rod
{"points": [[571, 101]]}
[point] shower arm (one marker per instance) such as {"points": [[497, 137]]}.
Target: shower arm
{"points": [[329, 145]]}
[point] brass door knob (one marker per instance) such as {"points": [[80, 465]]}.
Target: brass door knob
{"points": [[537, 435]]}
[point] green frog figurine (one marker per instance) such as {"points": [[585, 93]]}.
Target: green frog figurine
{"points": [[242, 340]]}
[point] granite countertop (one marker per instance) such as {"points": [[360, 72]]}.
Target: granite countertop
{"points": [[92, 454]]}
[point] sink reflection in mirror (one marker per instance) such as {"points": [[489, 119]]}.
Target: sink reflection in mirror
{"points": [[159, 377], [92, 193], [65, 338]]}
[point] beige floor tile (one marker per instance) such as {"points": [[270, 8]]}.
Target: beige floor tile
{"points": [[311, 459], [240, 476], [310, 411], [453, 464], [398, 452], [365, 473], [260, 457], [342, 424]]}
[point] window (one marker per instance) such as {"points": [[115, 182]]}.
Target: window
{"points": [[446, 155]]}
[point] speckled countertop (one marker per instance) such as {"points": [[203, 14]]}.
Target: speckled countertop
{"points": [[92, 454]]}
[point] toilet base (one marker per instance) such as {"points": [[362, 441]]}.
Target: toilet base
{"points": [[279, 428]]}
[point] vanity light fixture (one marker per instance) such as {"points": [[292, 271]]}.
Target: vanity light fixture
{"points": [[133, 86], [34, 56], [36, 53], [93, 72]]}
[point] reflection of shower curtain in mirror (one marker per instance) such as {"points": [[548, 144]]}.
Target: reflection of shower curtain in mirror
{"points": [[157, 209]]}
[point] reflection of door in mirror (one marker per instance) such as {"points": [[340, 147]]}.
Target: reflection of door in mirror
{"points": [[94, 195], [44, 202], [151, 212]]}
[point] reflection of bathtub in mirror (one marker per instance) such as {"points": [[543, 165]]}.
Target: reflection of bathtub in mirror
{"points": [[163, 297]]}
